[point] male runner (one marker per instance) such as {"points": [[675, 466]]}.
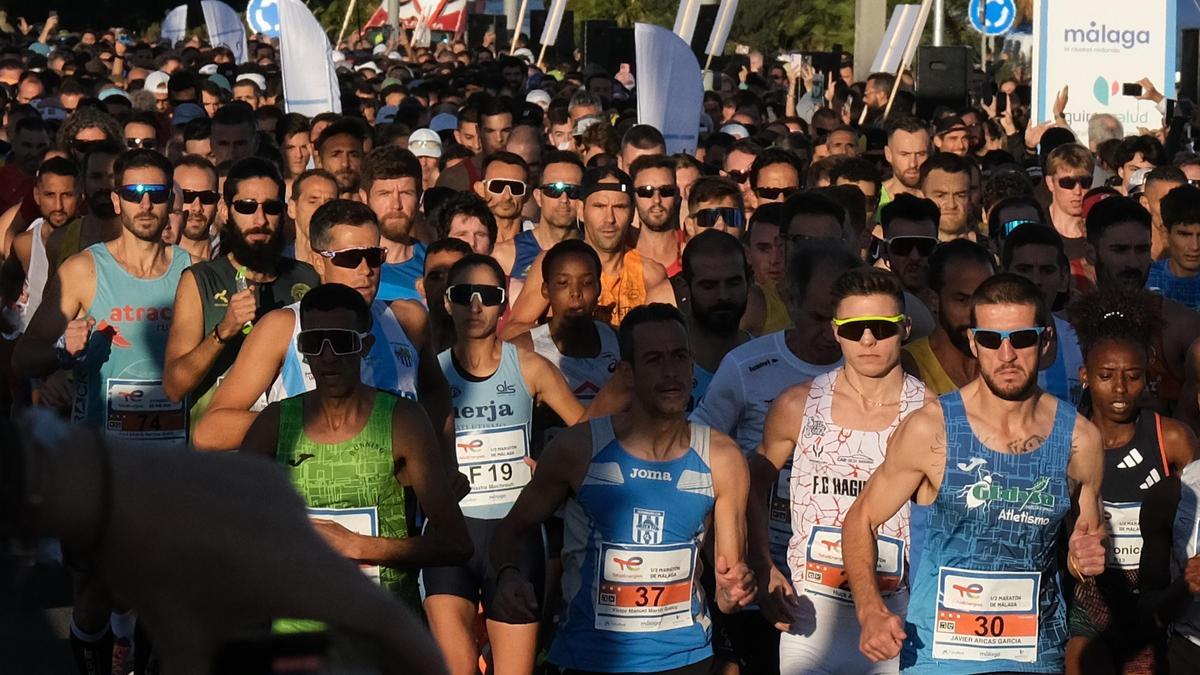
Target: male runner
{"points": [[391, 186], [339, 150], [907, 149], [196, 181], [345, 236], [1002, 464], [505, 187], [310, 191], [718, 279], [494, 387], [219, 300], [100, 222], [439, 258], [656, 198], [1176, 275], [353, 451], [834, 431], [639, 491]]}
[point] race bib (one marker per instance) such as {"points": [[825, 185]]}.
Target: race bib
{"points": [[1125, 534], [825, 575], [140, 412], [645, 589], [983, 616], [779, 526], [364, 521], [494, 462]]}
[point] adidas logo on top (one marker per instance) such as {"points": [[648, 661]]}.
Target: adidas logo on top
{"points": [[1131, 460], [1151, 479]]}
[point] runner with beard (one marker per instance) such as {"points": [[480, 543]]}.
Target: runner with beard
{"points": [[656, 197], [1141, 449], [391, 186], [100, 222], [219, 300], [339, 150], [944, 360], [196, 182]]}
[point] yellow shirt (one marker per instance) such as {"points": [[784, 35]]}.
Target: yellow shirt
{"points": [[931, 371], [777, 314]]}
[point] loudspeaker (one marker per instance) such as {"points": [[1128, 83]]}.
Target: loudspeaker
{"points": [[563, 47], [705, 20], [942, 74], [619, 48], [594, 48], [478, 25], [1189, 67]]}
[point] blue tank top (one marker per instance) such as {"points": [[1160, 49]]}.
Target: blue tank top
{"points": [[398, 281], [631, 591], [492, 423], [527, 251], [1184, 290], [1061, 378], [701, 378], [985, 596], [118, 385]]}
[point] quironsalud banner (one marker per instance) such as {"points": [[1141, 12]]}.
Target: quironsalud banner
{"points": [[310, 84]]}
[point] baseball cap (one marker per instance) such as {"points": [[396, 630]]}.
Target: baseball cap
{"points": [[539, 96], [369, 65], [186, 112], [258, 80], [221, 81], [208, 69], [51, 109], [157, 82], [948, 124], [736, 130], [113, 91], [443, 121], [425, 143], [599, 179], [386, 114]]}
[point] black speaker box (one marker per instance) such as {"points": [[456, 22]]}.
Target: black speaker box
{"points": [[478, 25], [942, 78], [1189, 65], [564, 45], [594, 48], [705, 20]]}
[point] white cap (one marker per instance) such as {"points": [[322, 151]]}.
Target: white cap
{"points": [[156, 82], [540, 97], [258, 80], [736, 130], [584, 124], [208, 69], [365, 66], [379, 49], [425, 143], [394, 56], [524, 53], [338, 57]]}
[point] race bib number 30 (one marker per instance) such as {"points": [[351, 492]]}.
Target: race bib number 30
{"points": [[494, 463], [1125, 534], [983, 616], [825, 574], [644, 589], [140, 412]]}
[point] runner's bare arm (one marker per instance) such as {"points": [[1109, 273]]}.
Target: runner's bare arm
{"points": [[431, 381], [658, 286], [735, 583], [1085, 471], [262, 438], [229, 417], [190, 351], [614, 398], [547, 384], [529, 307], [66, 298], [1179, 442], [780, 431]]}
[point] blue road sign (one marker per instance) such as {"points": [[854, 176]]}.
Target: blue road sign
{"points": [[999, 16], [263, 17]]}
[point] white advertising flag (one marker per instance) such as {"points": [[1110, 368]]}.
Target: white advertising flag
{"points": [[685, 19], [720, 31], [225, 28], [670, 89], [1095, 49], [554, 17], [310, 84], [174, 26]]}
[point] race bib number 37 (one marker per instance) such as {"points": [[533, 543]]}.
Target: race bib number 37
{"points": [[983, 616], [644, 589]]}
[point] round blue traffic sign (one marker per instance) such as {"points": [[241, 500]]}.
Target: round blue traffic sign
{"points": [[999, 16], [263, 17]]}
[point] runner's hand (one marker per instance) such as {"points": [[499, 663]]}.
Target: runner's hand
{"points": [[515, 598], [882, 635], [77, 333], [338, 537], [243, 307], [736, 587], [1191, 574], [778, 600], [1086, 546]]}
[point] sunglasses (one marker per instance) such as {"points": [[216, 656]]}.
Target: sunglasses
{"points": [[342, 341], [902, 247], [206, 197], [497, 186], [465, 294], [648, 191], [86, 147], [351, 258], [159, 194], [732, 216], [775, 193], [1069, 182], [1021, 338], [559, 188], [143, 143], [1008, 227], [738, 177], [247, 207], [881, 327]]}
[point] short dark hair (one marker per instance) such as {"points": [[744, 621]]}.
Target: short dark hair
{"points": [[298, 181], [773, 213], [1032, 234], [476, 260], [506, 157], [856, 170], [1181, 206], [290, 125], [1007, 288], [199, 129], [647, 162], [569, 247], [996, 225], [1166, 173], [465, 204], [197, 162], [655, 312], [338, 212], [865, 280], [643, 137], [1114, 211], [909, 207], [712, 242], [958, 250], [251, 167], [946, 162], [772, 156], [810, 203], [444, 245], [346, 126], [330, 297], [561, 157], [58, 166], [142, 158], [233, 114], [817, 255], [389, 162], [1148, 146], [708, 188]]}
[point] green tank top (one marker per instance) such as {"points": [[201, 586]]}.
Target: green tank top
{"points": [[354, 476]]}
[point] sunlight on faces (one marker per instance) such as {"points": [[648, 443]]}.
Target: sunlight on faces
{"points": [[144, 219], [504, 205], [257, 228], [777, 176], [310, 196], [296, 151], [342, 156], [656, 212], [1184, 247], [661, 371], [1115, 374], [394, 201], [467, 135], [475, 320], [693, 227], [1069, 201], [738, 161], [57, 198], [606, 216], [364, 278], [871, 356], [198, 215], [1011, 374], [951, 192], [494, 131], [558, 212], [471, 230], [906, 152]]}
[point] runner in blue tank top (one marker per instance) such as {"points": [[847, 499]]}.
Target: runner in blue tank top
{"points": [[638, 493], [1002, 464]]}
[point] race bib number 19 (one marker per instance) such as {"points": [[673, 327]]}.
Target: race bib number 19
{"points": [[645, 589], [983, 616], [494, 463]]}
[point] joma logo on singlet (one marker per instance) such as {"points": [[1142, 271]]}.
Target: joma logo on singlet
{"points": [[650, 474], [490, 412]]}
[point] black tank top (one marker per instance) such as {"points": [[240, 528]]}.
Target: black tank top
{"points": [[1134, 468]]}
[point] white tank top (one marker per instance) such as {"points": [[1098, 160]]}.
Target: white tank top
{"points": [[830, 466], [1186, 544], [585, 376], [35, 278]]}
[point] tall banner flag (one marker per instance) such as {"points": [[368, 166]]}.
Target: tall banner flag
{"points": [[1095, 49], [310, 84], [225, 28], [720, 31], [174, 26], [554, 17], [685, 19], [670, 90]]}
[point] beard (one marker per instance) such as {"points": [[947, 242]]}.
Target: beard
{"points": [[347, 181], [1012, 392], [721, 318], [100, 204], [196, 229], [664, 224], [957, 335], [395, 225], [262, 258], [144, 226]]}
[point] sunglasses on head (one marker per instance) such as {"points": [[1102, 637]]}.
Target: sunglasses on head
{"points": [[648, 191], [559, 188], [351, 258], [775, 193], [342, 341], [464, 294], [902, 247], [247, 207], [1069, 182], [738, 177], [206, 197], [497, 186], [732, 216], [144, 143], [1021, 338], [159, 194], [881, 327]]}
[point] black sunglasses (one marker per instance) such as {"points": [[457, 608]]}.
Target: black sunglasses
{"points": [[902, 247], [159, 194], [351, 258], [1022, 338], [247, 207], [86, 147], [738, 177], [1069, 182], [647, 191], [342, 341], [206, 197], [732, 216], [463, 294], [143, 143], [496, 186], [559, 188], [775, 193]]}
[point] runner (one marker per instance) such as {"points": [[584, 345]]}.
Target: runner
{"points": [[639, 491], [339, 149], [100, 222], [391, 186], [196, 181], [1141, 448], [656, 198], [439, 258], [1175, 276], [353, 452], [906, 150], [310, 190], [494, 386], [834, 432], [909, 228], [505, 189], [985, 592]]}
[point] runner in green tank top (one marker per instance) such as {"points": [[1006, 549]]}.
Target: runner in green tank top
{"points": [[353, 452]]}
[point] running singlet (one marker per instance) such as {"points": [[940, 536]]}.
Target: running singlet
{"points": [[491, 433], [354, 479], [1061, 378], [118, 384], [985, 595], [1184, 290], [585, 376], [398, 281], [620, 294], [1185, 545], [701, 378], [830, 466], [632, 600], [778, 317], [932, 373], [35, 277], [390, 366], [527, 251]]}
